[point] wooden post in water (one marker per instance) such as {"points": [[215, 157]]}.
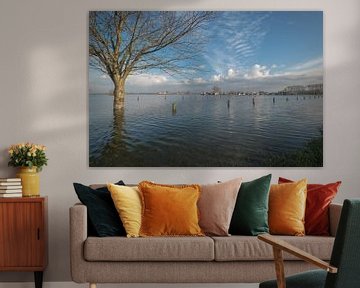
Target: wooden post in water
{"points": [[173, 108]]}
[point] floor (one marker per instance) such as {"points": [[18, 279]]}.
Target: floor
{"points": [[74, 285]]}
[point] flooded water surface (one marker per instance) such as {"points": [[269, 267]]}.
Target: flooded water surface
{"points": [[200, 131]]}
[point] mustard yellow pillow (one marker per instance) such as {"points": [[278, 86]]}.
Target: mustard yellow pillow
{"points": [[127, 201], [287, 204], [169, 210]]}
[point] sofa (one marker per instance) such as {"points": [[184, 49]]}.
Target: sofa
{"points": [[233, 259]]}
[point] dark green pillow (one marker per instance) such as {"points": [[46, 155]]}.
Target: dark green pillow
{"points": [[250, 216], [103, 218]]}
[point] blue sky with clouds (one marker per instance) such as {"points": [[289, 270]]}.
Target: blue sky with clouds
{"points": [[244, 51]]}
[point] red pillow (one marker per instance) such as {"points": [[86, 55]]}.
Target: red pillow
{"points": [[319, 197]]}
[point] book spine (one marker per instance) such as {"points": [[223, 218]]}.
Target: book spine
{"points": [[10, 183], [10, 180]]}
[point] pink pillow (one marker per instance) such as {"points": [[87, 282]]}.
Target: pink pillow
{"points": [[216, 205]]}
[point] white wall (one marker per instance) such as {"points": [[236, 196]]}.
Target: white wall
{"points": [[43, 90]]}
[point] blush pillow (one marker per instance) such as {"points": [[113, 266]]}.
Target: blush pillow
{"points": [[287, 208], [319, 197], [169, 210], [216, 206]]}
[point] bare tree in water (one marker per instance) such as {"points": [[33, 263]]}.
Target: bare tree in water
{"points": [[123, 43]]}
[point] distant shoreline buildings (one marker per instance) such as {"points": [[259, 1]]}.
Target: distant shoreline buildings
{"points": [[311, 89]]}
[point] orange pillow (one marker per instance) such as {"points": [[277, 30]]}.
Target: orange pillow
{"points": [[318, 200], [169, 210], [287, 204]]}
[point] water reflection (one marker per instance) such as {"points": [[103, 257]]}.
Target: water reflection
{"points": [[115, 143], [195, 130], [173, 109]]}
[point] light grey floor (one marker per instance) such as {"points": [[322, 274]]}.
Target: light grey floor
{"points": [[74, 285]]}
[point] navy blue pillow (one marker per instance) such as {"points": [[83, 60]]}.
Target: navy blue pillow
{"points": [[103, 218]]}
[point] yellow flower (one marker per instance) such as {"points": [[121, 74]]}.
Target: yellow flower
{"points": [[40, 147], [26, 151]]}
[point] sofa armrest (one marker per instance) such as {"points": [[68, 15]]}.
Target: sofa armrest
{"points": [[78, 235], [334, 217]]}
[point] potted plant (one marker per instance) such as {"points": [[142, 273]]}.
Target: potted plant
{"points": [[30, 158]]}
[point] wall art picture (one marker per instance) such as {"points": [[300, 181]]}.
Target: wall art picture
{"points": [[205, 88]]}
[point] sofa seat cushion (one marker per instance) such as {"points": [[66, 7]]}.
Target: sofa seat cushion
{"points": [[244, 248], [149, 249]]}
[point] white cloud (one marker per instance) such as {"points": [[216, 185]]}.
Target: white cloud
{"points": [[104, 76], [199, 80], [147, 79], [248, 36], [313, 63], [217, 78], [311, 68], [231, 73], [242, 34], [257, 71]]}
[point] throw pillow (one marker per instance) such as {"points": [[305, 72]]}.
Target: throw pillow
{"points": [[287, 208], [102, 214], [319, 197], [127, 201], [169, 210], [250, 215], [216, 206]]}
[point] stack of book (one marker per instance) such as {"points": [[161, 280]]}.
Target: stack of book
{"points": [[10, 187]]}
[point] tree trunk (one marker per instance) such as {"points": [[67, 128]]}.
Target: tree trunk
{"points": [[119, 94]]}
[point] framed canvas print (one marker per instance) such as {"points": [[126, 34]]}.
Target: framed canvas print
{"points": [[205, 88]]}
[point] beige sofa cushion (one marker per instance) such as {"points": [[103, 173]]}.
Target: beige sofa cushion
{"points": [[149, 249], [243, 248]]}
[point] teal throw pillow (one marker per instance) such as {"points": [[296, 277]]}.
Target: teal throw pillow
{"points": [[250, 216]]}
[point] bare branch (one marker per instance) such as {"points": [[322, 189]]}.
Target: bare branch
{"points": [[122, 43]]}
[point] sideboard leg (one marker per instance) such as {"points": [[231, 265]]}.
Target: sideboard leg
{"points": [[38, 279], [92, 285]]}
